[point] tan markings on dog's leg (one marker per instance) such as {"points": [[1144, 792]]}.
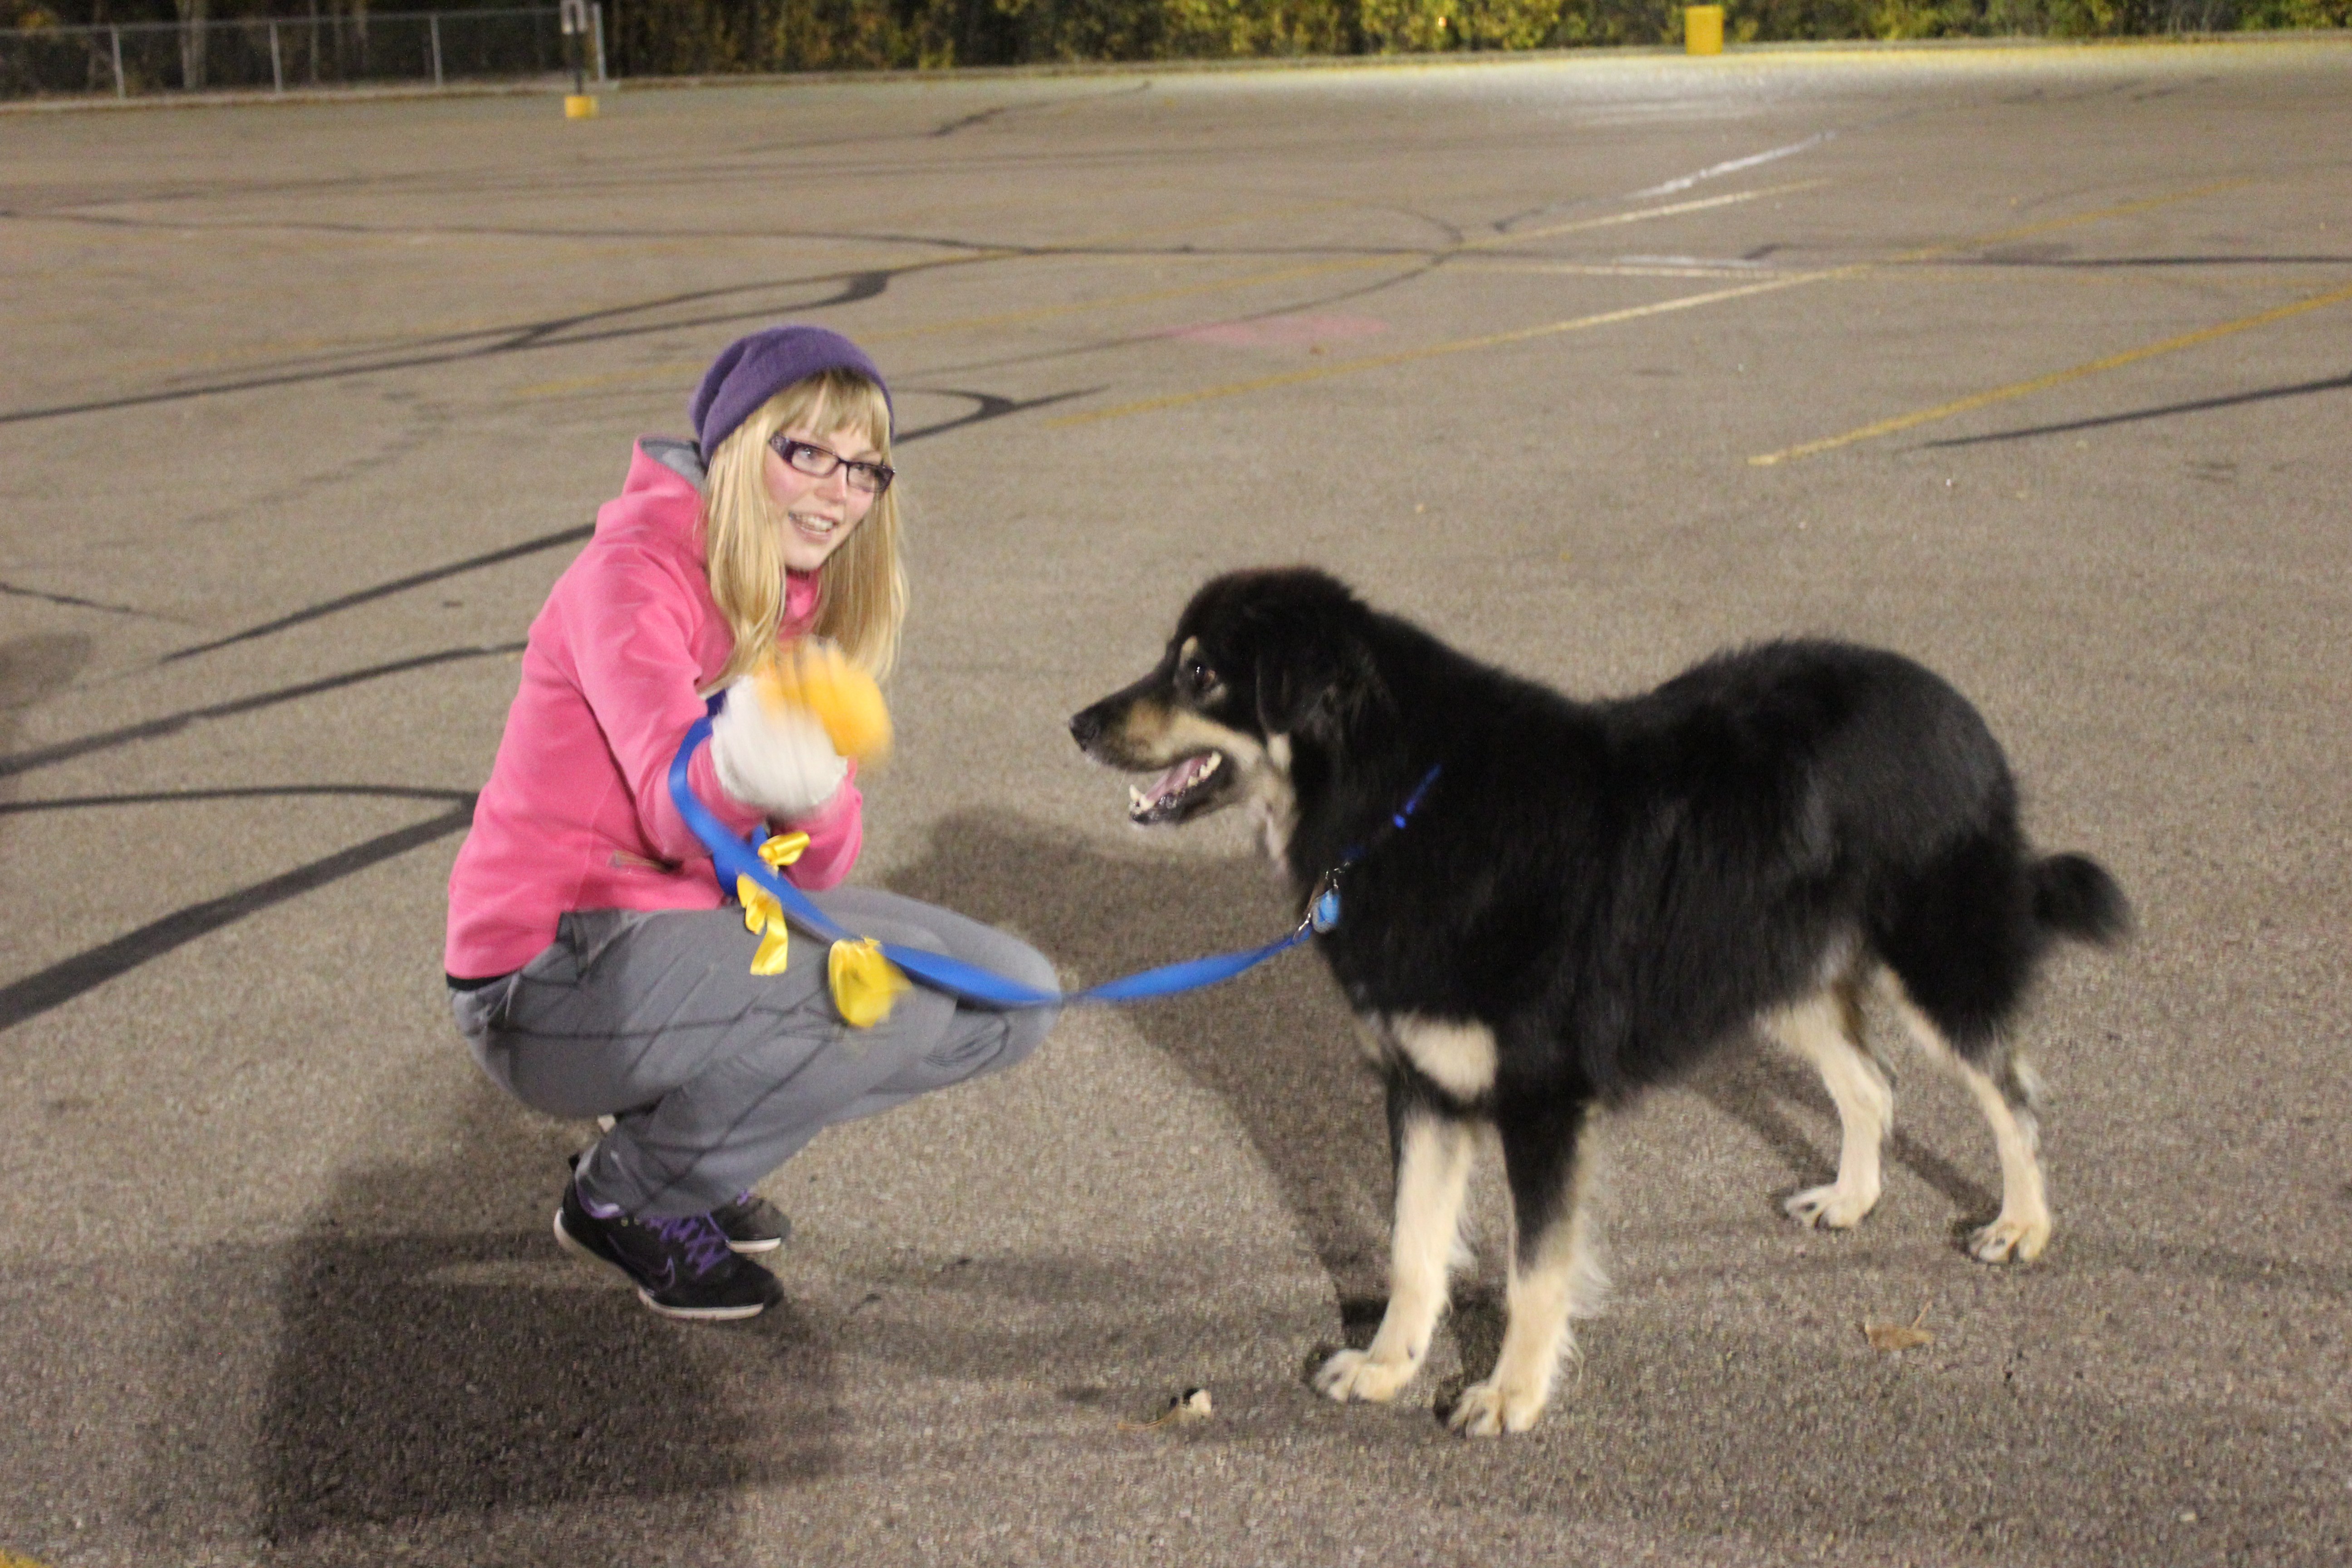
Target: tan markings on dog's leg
{"points": [[1433, 1171], [2022, 1229], [1458, 1057], [1826, 1031], [1562, 1282]]}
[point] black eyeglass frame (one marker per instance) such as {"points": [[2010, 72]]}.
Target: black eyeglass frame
{"points": [[783, 446]]}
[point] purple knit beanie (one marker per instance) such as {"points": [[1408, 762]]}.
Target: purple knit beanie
{"points": [[755, 367]]}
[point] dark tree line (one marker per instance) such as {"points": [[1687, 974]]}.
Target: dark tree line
{"points": [[681, 37], [655, 38]]}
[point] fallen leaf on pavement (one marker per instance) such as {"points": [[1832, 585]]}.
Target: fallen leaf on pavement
{"points": [[1898, 1336]]}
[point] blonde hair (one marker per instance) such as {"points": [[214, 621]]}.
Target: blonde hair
{"points": [[861, 588]]}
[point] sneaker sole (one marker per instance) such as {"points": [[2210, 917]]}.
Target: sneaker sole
{"points": [[701, 1314], [752, 1248], [573, 1244], [579, 1248]]}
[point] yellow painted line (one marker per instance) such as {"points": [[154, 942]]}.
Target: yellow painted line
{"points": [[1606, 270], [1458, 345], [2122, 209], [2054, 378], [565, 387], [1345, 264], [1606, 317], [1190, 290], [1639, 215], [10, 1560], [1320, 269]]}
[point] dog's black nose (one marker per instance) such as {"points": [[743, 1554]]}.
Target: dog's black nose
{"points": [[1086, 726]]}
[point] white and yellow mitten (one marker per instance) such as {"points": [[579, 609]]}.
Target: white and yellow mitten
{"points": [[776, 756]]}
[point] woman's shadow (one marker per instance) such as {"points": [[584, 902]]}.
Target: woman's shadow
{"points": [[436, 1362], [428, 1360]]}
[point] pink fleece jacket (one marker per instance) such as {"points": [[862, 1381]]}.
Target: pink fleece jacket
{"points": [[577, 814]]}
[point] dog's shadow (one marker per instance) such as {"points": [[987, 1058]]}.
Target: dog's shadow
{"points": [[1754, 1089], [1274, 1046]]}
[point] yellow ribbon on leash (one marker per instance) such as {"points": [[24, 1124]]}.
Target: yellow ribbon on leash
{"points": [[866, 986], [763, 917]]}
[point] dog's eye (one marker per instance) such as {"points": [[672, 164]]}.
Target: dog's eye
{"points": [[1197, 676]]}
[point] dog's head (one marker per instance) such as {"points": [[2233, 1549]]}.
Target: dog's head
{"points": [[1265, 673]]}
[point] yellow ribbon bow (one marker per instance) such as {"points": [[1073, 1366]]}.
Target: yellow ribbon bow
{"points": [[763, 916], [866, 986]]}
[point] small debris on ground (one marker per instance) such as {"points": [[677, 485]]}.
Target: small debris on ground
{"points": [[1193, 1404], [1898, 1336]]}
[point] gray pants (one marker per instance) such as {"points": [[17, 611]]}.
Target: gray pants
{"points": [[717, 1075]]}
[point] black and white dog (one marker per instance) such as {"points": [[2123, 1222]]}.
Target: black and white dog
{"points": [[1545, 906]]}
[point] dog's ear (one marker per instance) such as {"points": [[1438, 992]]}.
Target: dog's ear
{"points": [[1290, 689], [1313, 678]]}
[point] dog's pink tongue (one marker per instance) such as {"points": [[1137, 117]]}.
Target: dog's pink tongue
{"points": [[1172, 782]]}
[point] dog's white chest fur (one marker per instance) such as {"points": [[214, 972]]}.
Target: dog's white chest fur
{"points": [[1459, 1057], [1273, 807]]}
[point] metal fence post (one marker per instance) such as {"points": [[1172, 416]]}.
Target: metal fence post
{"points": [[435, 21], [596, 30], [120, 90], [277, 61]]}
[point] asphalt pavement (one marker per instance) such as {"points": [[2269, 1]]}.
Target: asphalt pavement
{"points": [[2031, 363]]}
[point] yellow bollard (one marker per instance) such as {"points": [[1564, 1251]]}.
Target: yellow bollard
{"points": [[1703, 29], [581, 106]]}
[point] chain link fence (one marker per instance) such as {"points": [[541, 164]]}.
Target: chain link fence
{"points": [[674, 37], [282, 54]]}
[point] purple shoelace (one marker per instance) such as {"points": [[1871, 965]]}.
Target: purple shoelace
{"points": [[698, 1234]]}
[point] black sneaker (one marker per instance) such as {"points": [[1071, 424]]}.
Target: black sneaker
{"points": [[681, 1265], [752, 1223]]}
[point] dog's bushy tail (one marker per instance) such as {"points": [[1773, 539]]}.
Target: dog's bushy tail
{"points": [[2074, 896]]}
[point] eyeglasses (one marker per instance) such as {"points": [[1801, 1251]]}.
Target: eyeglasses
{"points": [[816, 462]]}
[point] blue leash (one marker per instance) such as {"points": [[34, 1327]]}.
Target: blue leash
{"points": [[736, 858]]}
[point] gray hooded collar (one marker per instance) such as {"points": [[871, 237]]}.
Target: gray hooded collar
{"points": [[683, 458]]}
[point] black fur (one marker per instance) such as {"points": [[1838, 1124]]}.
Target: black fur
{"points": [[1616, 888], [1620, 886]]}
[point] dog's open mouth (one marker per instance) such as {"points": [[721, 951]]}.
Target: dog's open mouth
{"points": [[1165, 798]]}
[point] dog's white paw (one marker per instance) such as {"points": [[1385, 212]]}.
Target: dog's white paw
{"points": [[1835, 1206], [1354, 1374], [2011, 1239], [1489, 1409]]}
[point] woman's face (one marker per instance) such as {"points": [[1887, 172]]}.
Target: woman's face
{"points": [[820, 511]]}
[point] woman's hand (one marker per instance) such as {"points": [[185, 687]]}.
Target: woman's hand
{"points": [[772, 756]]}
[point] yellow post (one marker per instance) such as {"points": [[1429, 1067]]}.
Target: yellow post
{"points": [[1703, 29], [577, 19]]}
